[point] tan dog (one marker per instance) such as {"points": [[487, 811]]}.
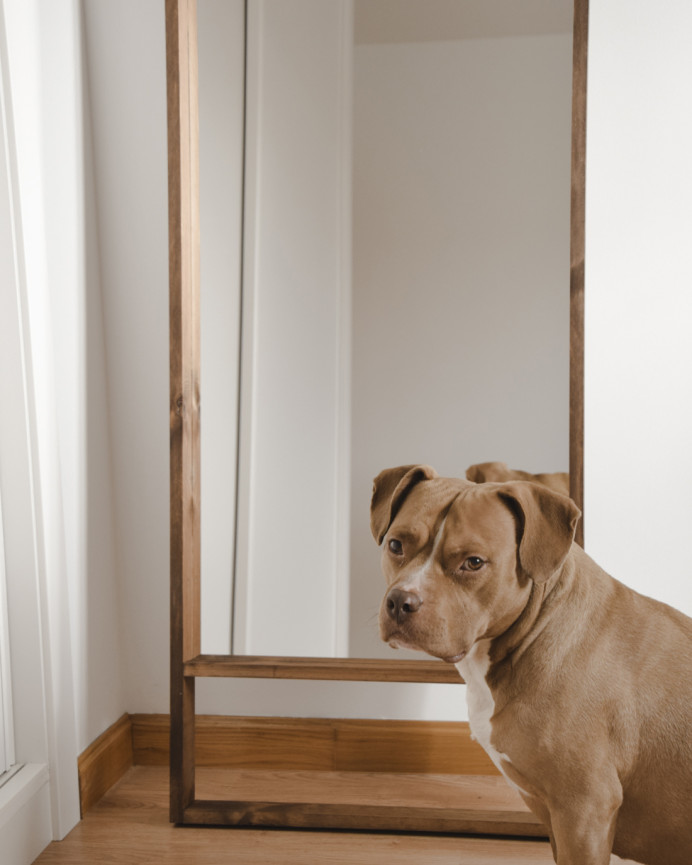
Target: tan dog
{"points": [[496, 472], [578, 688]]}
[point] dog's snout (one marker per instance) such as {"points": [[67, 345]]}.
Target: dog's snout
{"points": [[401, 604]]}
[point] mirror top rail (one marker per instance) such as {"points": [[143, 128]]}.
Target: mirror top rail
{"points": [[342, 669]]}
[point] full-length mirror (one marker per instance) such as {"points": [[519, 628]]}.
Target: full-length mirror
{"points": [[385, 279]]}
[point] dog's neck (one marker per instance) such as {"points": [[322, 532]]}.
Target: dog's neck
{"points": [[512, 644]]}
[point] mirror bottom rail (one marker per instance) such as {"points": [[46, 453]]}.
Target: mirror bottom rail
{"points": [[387, 818], [336, 669]]}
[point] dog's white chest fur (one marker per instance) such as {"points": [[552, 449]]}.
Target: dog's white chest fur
{"points": [[479, 698], [481, 705]]}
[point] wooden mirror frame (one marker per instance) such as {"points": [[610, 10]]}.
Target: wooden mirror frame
{"points": [[187, 662]]}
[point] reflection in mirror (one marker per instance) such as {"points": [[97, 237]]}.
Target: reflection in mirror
{"points": [[405, 290], [221, 47]]}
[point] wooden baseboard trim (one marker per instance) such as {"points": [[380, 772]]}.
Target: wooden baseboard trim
{"points": [[104, 762], [284, 744], [318, 744]]}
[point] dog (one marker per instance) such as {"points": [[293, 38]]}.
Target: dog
{"points": [[579, 688], [482, 473]]}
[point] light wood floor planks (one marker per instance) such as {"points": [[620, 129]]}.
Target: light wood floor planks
{"points": [[130, 826]]}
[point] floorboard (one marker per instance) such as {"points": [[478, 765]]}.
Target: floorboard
{"points": [[130, 827]]}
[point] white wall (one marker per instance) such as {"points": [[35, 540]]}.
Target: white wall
{"points": [[221, 31], [96, 609], [292, 550], [638, 468], [381, 21], [125, 54], [461, 269]]}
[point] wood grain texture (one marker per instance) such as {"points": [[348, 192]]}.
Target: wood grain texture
{"points": [[340, 669], [104, 763], [363, 800], [183, 205], [577, 257], [319, 744], [358, 788], [377, 818], [436, 747], [130, 827]]}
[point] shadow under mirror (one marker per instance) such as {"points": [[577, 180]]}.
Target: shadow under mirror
{"points": [[385, 265]]}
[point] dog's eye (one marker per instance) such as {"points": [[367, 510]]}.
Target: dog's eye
{"points": [[473, 563], [395, 547]]}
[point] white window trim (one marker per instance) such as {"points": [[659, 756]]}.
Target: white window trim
{"points": [[40, 802]]}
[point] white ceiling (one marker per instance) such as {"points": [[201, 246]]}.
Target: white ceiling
{"points": [[378, 21]]}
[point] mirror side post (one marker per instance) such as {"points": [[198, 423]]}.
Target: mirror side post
{"points": [[577, 255], [183, 193]]}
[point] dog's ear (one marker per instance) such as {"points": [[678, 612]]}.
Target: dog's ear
{"points": [[546, 523], [481, 473], [390, 488]]}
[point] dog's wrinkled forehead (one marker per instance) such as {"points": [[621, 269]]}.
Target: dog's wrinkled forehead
{"points": [[427, 504], [481, 517], [465, 509]]}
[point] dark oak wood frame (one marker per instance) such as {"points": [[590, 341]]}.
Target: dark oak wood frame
{"points": [[187, 662]]}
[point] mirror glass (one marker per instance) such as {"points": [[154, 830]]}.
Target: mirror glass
{"points": [[385, 205]]}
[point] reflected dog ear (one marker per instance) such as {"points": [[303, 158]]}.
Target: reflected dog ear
{"points": [[546, 522], [390, 488], [481, 473]]}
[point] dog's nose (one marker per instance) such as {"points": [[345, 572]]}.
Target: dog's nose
{"points": [[401, 604]]}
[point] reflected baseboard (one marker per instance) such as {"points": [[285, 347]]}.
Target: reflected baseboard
{"points": [[318, 744]]}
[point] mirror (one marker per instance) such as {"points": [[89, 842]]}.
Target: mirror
{"points": [[389, 182]]}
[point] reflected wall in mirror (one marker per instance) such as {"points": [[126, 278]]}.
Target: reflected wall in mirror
{"points": [[404, 261]]}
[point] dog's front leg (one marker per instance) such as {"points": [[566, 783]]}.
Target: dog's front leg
{"points": [[582, 832]]}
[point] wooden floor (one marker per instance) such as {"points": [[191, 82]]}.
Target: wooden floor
{"points": [[130, 826]]}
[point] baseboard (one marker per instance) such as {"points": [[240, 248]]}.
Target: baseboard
{"points": [[104, 762], [284, 744], [318, 744]]}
